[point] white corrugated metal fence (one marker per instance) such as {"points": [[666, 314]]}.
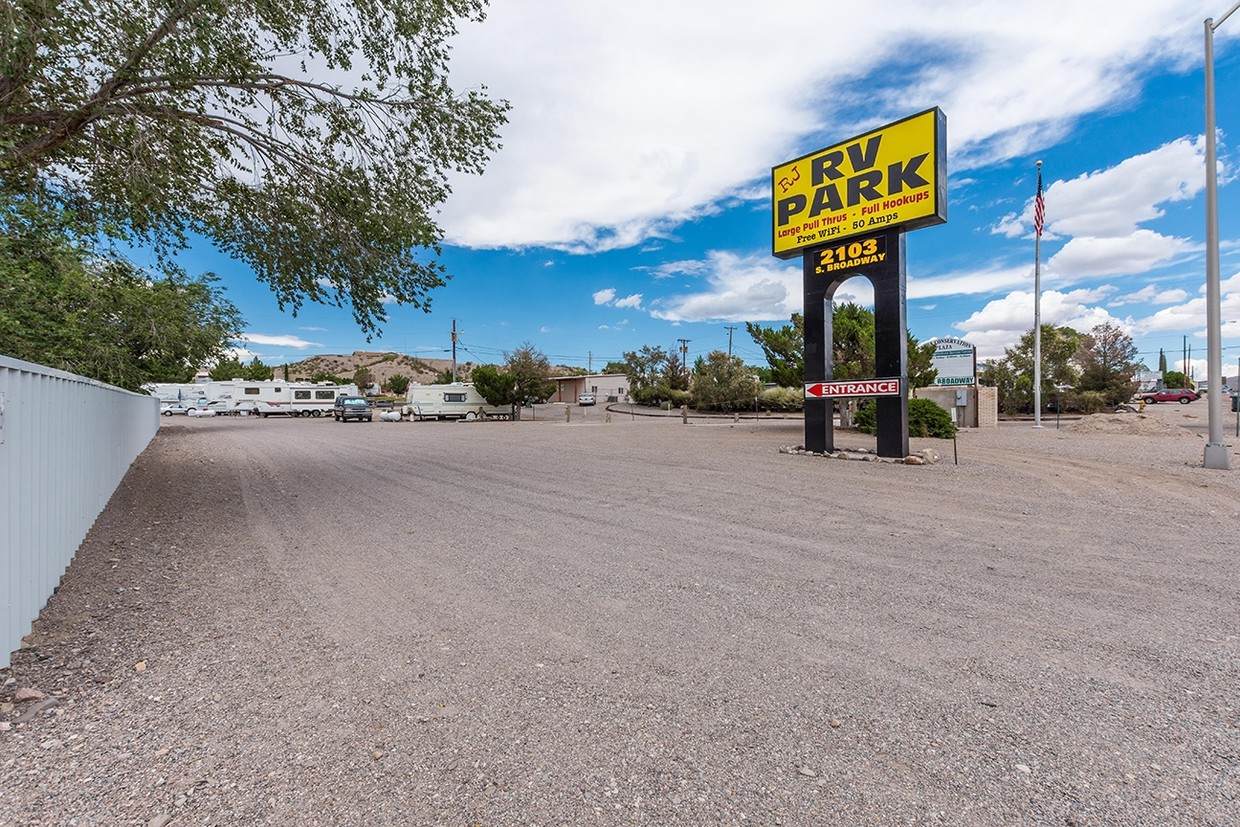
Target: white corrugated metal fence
{"points": [[65, 443]]}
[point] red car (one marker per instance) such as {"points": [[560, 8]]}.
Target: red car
{"points": [[1180, 395]]}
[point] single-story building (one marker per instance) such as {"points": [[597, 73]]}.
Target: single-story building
{"points": [[607, 387]]}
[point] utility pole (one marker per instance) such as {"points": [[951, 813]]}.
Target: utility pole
{"points": [[590, 362], [729, 328], [454, 351], [684, 355]]}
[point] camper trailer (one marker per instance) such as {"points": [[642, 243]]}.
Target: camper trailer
{"points": [[186, 394], [455, 401], [290, 398]]}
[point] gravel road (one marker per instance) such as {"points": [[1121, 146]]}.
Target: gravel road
{"points": [[304, 622]]}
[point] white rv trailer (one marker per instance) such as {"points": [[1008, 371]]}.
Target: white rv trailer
{"points": [[188, 394], [261, 397], [460, 400], [291, 398]]}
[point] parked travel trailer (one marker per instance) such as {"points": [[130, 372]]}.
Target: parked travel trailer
{"points": [[455, 401], [262, 397], [186, 394], [291, 398]]}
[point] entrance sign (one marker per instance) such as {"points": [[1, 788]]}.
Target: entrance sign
{"points": [[861, 387], [956, 362], [844, 210], [894, 177]]}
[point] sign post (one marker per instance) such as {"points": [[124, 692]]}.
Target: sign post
{"points": [[844, 210]]}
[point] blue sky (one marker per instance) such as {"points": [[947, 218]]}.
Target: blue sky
{"points": [[630, 204]]}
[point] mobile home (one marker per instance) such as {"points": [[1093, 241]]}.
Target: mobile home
{"points": [[456, 401]]}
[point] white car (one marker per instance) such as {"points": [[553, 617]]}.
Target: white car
{"points": [[585, 399], [176, 408]]}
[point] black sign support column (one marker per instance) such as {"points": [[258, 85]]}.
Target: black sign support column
{"points": [[819, 429], [890, 345]]}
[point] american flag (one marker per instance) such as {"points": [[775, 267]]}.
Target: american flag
{"points": [[1039, 207]]}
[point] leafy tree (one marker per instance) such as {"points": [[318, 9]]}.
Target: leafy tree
{"points": [[363, 378], [784, 348], [1013, 374], [1175, 379], [616, 367], [921, 370], [444, 377], [1015, 389], [498, 387], [398, 384], [852, 333], [104, 318], [312, 140], [324, 376], [531, 372], [725, 383], [229, 367], [674, 374], [256, 371], [1108, 359], [645, 367], [1162, 362]]}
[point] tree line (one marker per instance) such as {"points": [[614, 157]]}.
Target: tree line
{"points": [[312, 141], [1087, 372]]}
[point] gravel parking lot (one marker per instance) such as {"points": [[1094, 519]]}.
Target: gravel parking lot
{"points": [[635, 621]]}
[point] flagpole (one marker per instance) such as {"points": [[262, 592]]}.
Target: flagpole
{"points": [[1037, 304]]}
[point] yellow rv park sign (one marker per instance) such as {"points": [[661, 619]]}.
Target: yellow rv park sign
{"points": [[892, 177]]}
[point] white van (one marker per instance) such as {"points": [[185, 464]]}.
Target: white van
{"points": [[456, 401]]}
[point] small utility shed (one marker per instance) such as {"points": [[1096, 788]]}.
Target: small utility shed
{"points": [[609, 387]]}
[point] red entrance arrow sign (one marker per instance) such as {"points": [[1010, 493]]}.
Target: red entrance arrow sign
{"points": [[858, 387]]}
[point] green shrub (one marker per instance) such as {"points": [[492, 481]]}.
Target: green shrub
{"points": [[1094, 401], [659, 395], [925, 418], [782, 399]]}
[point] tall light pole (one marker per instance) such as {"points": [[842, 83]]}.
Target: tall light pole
{"points": [[1216, 450]]}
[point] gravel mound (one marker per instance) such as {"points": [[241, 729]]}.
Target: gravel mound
{"points": [[1133, 424]]}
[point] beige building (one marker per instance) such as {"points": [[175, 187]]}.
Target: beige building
{"points": [[608, 387]]}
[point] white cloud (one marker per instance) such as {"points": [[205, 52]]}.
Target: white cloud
{"points": [[1111, 203], [1190, 316], [621, 130], [1151, 295], [295, 342], [972, 282], [1137, 252], [739, 288], [670, 269], [608, 297]]}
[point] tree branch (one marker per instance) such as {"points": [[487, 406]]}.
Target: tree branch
{"points": [[74, 121]]}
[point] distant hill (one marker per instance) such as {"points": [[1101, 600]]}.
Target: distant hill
{"points": [[382, 365]]}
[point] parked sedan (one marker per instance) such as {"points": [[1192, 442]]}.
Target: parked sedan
{"points": [[1180, 395], [176, 408]]}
